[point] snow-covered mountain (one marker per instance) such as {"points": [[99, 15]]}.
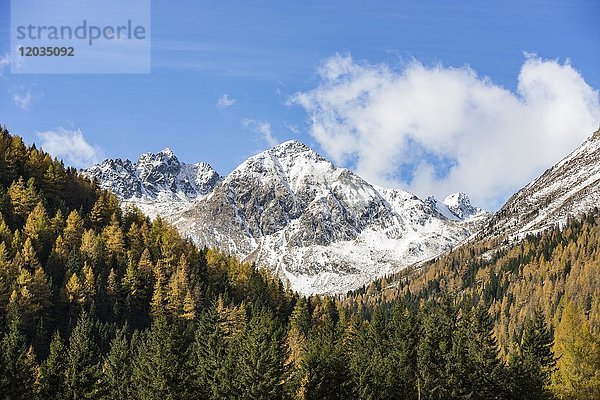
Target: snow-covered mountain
{"points": [[157, 182], [322, 228], [567, 189]]}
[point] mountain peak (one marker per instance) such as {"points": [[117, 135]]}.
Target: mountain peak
{"points": [[290, 147], [458, 198], [156, 175], [167, 151], [460, 205]]}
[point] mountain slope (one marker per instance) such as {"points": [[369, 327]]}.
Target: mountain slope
{"points": [[567, 189], [322, 228]]}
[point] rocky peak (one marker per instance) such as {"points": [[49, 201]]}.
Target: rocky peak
{"points": [[322, 227], [460, 205], [155, 175]]}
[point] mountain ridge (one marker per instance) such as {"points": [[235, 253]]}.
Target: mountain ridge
{"points": [[326, 230], [566, 189], [321, 227]]}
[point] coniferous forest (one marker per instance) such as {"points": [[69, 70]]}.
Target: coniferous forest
{"points": [[97, 302]]}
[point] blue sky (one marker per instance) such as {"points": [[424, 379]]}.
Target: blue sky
{"points": [[257, 56]]}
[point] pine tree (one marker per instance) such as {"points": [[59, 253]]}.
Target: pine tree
{"points": [[531, 369], [52, 372], [83, 371], [161, 369], [117, 368], [17, 365], [258, 353]]}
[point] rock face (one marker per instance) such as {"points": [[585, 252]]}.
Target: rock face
{"points": [[156, 182], [322, 228], [459, 204], [567, 189]]}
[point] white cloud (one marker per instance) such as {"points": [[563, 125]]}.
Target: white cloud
{"points": [[438, 130], [293, 128], [4, 62], [264, 128], [16, 60], [71, 146], [25, 100], [225, 101]]}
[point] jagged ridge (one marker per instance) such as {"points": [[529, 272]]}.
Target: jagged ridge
{"points": [[323, 228]]}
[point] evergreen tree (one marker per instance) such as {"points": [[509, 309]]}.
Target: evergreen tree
{"points": [[17, 365], [404, 339], [369, 360], [52, 372], [258, 354], [435, 347], [531, 369], [212, 380], [117, 368], [83, 370], [161, 369], [325, 366]]}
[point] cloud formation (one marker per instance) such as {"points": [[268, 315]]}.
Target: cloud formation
{"points": [[4, 62], [26, 99], [71, 147], [438, 130], [263, 128], [225, 101]]}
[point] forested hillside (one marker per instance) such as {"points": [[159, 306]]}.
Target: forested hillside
{"points": [[100, 303], [555, 274]]}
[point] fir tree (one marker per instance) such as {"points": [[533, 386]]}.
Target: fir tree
{"points": [[161, 369], [83, 370], [531, 369], [17, 365], [117, 368], [259, 356], [52, 371]]}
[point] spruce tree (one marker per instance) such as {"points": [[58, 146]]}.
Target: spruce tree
{"points": [[259, 357], [83, 371], [17, 365], [435, 347], [325, 365], [530, 370], [208, 354], [52, 371], [161, 368], [117, 368], [404, 339]]}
